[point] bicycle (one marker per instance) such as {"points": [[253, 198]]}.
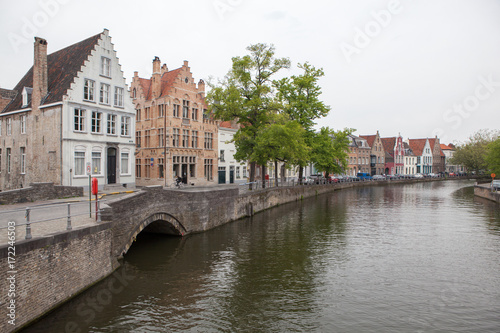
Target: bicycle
{"points": [[177, 185]]}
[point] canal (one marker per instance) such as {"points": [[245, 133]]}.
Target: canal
{"points": [[401, 258]]}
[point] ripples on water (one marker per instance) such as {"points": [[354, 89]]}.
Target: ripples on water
{"points": [[408, 258]]}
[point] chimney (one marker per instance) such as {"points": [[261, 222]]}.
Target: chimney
{"points": [[164, 69], [40, 74], [156, 78], [201, 88]]}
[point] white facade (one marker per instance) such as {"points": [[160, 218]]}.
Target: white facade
{"points": [[230, 171], [99, 122], [410, 165], [426, 162]]}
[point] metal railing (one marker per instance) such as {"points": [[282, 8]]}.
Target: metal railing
{"points": [[28, 215]]}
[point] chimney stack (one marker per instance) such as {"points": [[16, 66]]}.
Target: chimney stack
{"points": [[40, 73], [156, 78]]}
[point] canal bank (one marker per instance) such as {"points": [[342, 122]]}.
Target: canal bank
{"points": [[411, 257], [165, 211], [485, 191]]}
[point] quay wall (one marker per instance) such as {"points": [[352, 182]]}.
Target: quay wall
{"points": [[39, 191], [484, 191]]}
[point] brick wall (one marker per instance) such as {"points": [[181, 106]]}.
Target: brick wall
{"points": [[484, 191], [53, 269], [39, 191]]}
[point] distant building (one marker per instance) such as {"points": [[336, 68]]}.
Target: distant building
{"points": [[229, 170], [410, 160], [359, 155], [67, 117], [394, 155], [377, 153], [430, 158], [175, 137], [448, 151]]}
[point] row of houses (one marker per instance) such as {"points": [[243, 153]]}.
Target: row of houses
{"points": [[72, 116], [375, 155]]}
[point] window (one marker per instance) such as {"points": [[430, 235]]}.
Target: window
{"points": [[79, 163], [79, 120], [185, 138], [138, 115], [138, 168], [125, 126], [96, 122], [176, 110], [194, 114], [194, 139], [192, 166], [134, 93], [104, 94], [23, 124], [147, 113], [175, 137], [244, 172], [0, 127], [138, 138], [111, 124], [208, 140], [147, 170], [9, 126], [118, 96], [161, 168], [221, 157], [161, 138], [161, 110], [147, 142], [0, 160], [23, 160], [237, 172], [96, 162], [185, 109], [8, 160], [208, 169], [88, 90], [106, 66], [124, 163]]}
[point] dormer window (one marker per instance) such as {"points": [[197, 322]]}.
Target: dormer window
{"points": [[26, 96]]}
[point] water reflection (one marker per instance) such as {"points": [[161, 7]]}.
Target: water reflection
{"points": [[412, 258]]}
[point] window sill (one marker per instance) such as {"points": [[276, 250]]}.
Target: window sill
{"points": [[105, 76], [89, 101]]}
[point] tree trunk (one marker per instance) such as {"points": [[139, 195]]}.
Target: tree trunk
{"points": [[276, 172], [263, 176], [252, 175], [283, 173], [301, 173]]}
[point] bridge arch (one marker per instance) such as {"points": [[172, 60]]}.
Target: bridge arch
{"points": [[162, 223]]}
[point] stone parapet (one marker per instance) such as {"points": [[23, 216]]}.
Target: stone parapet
{"points": [[39, 191]]}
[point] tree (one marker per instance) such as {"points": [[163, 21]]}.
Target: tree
{"points": [[493, 157], [329, 151], [246, 95], [281, 142], [472, 154], [300, 96]]}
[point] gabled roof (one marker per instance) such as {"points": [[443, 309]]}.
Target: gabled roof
{"points": [[167, 82], [62, 67], [417, 145], [369, 138], [389, 144], [445, 147]]}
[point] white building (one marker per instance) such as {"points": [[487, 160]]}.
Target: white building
{"points": [[230, 170], [74, 116]]}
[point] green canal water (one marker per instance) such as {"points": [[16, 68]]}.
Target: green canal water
{"points": [[402, 258]]}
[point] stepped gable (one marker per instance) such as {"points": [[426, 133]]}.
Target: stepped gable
{"points": [[63, 66], [369, 138]]}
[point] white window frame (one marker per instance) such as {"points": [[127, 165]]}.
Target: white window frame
{"points": [[9, 126], [9, 158], [118, 96], [22, 151], [106, 66], [104, 93], [125, 164], [22, 119], [125, 126], [96, 156], [79, 120], [89, 90], [1, 127], [96, 122], [111, 124], [79, 160]]}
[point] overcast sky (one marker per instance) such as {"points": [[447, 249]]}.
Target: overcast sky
{"points": [[418, 68]]}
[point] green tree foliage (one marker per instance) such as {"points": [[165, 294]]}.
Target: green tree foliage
{"points": [[246, 95], [493, 157], [329, 150], [472, 154]]}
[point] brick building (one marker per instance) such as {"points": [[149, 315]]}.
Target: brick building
{"points": [[359, 156], [69, 113], [174, 134], [394, 155], [377, 153]]}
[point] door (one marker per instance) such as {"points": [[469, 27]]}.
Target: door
{"points": [[184, 173], [222, 175], [111, 165], [231, 174]]}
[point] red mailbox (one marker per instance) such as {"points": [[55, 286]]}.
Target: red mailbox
{"points": [[95, 188]]}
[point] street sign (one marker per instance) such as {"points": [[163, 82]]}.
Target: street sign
{"points": [[493, 175], [88, 168], [152, 160]]}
